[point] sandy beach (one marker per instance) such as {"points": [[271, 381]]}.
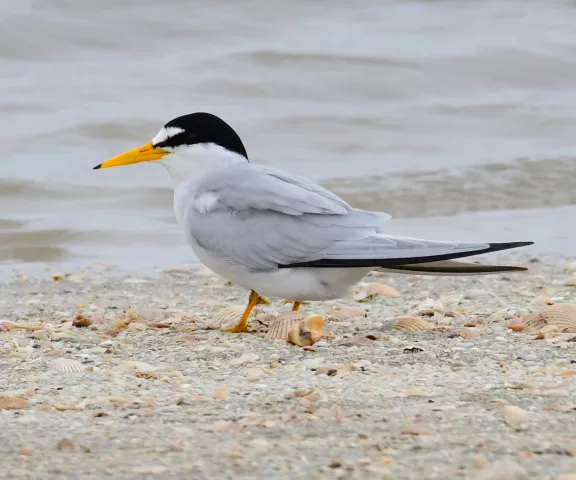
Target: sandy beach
{"points": [[152, 390]]}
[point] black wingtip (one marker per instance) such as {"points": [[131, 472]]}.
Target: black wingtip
{"points": [[495, 247], [97, 167], [394, 262]]}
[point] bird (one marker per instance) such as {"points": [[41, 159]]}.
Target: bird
{"points": [[279, 234]]}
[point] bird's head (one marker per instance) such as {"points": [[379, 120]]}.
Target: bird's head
{"points": [[185, 142]]}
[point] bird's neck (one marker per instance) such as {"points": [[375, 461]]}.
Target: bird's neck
{"points": [[194, 161]]}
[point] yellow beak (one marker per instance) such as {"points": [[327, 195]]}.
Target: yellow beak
{"points": [[145, 153]]}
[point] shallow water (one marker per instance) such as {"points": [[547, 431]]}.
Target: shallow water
{"points": [[419, 108]]}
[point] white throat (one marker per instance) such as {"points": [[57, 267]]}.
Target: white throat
{"points": [[194, 161]]}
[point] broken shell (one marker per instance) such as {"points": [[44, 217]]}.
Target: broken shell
{"points": [[329, 370], [123, 321], [67, 365], [562, 315], [13, 401], [407, 324], [346, 313], [16, 326], [382, 289], [308, 331], [81, 321], [440, 308], [412, 430], [517, 327], [542, 300], [365, 294], [413, 349]]}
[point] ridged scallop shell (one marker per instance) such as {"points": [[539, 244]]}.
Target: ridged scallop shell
{"points": [[67, 365], [13, 400], [346, 313], [228, 317], [297, 328], [282, 326], [562, 315], [407, 324]]}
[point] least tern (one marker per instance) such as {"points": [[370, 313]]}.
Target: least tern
{"points": [[280, 234]]}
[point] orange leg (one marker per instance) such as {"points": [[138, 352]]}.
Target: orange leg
{"points": [[296, 306], [242, 325]]}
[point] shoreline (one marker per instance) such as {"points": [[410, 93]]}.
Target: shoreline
{"points": [[170, 397]]}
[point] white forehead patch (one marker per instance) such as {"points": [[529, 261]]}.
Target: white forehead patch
{"points": [[166, 133]]}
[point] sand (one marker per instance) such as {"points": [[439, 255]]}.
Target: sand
{"points": [[167, 396]]}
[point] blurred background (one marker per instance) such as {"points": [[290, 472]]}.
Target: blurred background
{"points": [[459, 118]]}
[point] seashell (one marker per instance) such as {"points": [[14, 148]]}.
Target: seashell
{"points": [[228, 317], [375, 290], [413, 349], [13, 401], [542, 300], [517, 327], [407, 324], [17, 326], [515, 417], [281, 326], [469, 333], [308, 331], [440, 308], [411, 324], [123, 321], [412, 430], [346, 313], [382, 289], [67, 365], [81, 321], [562, 315]]}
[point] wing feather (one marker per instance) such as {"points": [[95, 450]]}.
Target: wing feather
{"points": [[259, 218]]}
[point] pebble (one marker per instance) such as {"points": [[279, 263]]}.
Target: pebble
{"points": [[244, 359], [515, 416], [503, 470], [313, 363], [253, 374]]}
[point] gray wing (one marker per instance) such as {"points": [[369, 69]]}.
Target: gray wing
{"points": [[259, 218]]}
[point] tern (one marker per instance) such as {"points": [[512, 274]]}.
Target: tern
{"points": [[279, 234]]}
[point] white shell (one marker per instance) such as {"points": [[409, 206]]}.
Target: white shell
{"points": [[67, 365], [439, 308]]}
